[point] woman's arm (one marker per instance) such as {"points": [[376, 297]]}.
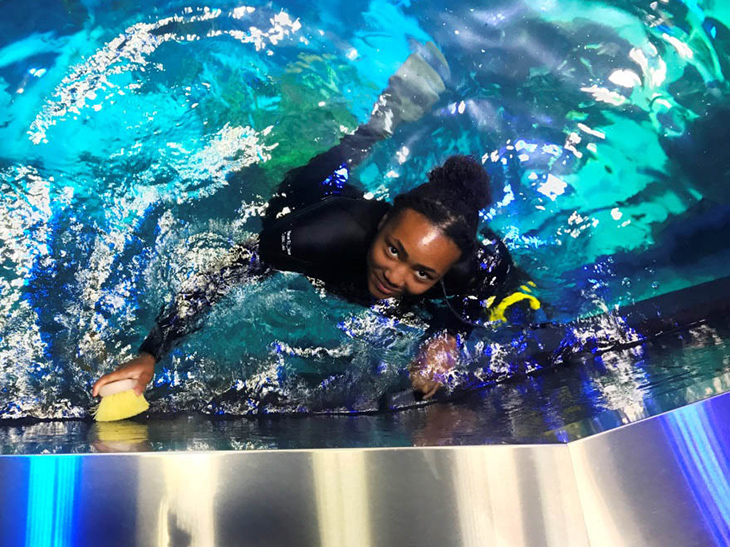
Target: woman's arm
{"points": [[186, 313], [488, 287], [411, 92], [198, 294]]}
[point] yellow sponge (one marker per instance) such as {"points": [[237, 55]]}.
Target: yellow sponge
{"points": [[119, 401]]}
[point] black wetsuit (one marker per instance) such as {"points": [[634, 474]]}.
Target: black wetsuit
{"points": [[320, 225]]}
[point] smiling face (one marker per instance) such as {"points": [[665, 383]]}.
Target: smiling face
{"points": [[408, 256]]}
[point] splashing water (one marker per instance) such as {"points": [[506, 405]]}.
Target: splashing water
{"points": [[139, 145]]}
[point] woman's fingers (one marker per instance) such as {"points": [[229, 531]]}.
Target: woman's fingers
{"points": [[435, 359], [432, 391], [427, 386], [142, 382], [135, 370], [121, 374]]}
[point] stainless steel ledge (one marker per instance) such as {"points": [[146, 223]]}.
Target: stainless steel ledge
{"points": [[465, 496], [662, 481]]}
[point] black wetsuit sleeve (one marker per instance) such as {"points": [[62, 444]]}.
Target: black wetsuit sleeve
{"points": [[325, 175], [318, 223], [328, 240], [185, 314]]}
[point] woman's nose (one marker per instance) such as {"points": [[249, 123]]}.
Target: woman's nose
{"points": [[395, 277]]}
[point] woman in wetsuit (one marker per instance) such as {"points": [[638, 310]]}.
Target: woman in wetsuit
{"points": [[421, 250]]}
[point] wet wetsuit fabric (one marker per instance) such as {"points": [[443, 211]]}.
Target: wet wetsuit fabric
{"points": [[320, 225]]}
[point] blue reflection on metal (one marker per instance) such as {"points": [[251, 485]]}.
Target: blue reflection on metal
{"points": [[704, 464], [51, 497]]}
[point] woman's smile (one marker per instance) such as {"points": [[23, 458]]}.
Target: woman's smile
{"points": [[383, 287]]}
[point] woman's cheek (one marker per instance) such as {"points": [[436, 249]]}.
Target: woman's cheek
{"points": [[416, 287], [384, 257]]}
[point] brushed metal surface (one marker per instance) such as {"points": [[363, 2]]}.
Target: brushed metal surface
{"points": [[662, 482], [472, 496]]}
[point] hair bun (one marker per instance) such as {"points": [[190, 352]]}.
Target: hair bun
{"points": [[465, 179]]}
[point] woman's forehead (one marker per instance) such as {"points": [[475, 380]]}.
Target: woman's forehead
{"points": [[423, 242]]}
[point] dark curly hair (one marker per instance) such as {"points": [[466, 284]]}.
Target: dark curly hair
{"points": [[451, 199]]}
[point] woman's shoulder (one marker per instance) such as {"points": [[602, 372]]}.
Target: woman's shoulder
{"points": [[486, 269], [326, 240]]}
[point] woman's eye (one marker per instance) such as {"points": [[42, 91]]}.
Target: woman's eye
{"points": [[392, 250]]}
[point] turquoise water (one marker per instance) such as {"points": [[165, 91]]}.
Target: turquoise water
{"points": [[138, 141], [570, 404]]}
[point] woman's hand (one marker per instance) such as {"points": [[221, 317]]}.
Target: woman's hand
{"points": [[140, 368], [435, 358]]}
